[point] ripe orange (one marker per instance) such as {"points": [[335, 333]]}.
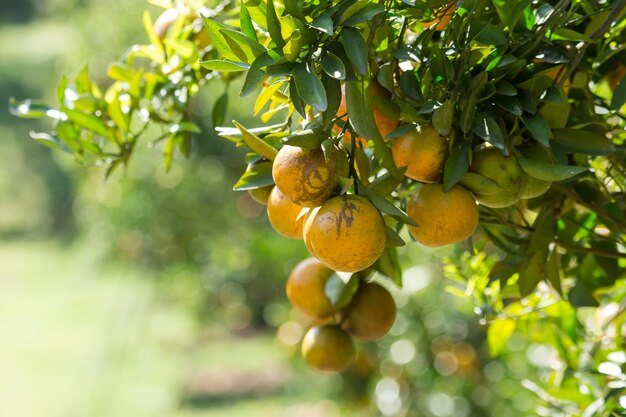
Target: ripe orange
{"points": [[371, 312], [422, 151], [304, 176], [442, 218], [327, 348], [347, 233], [284, 215], [384, 124], [306, 288], [504, 171], [442, 17]]}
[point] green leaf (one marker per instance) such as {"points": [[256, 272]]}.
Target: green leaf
{"points": [[510, 104], [583, 141], [489, 130], [360, 108], [355, 48], [479, 184], [309, 86], [364, 14], [307, 139], [498, 333], [564, 34], [532, 270], [333, 96], [154, 39], [340, 288], [255, 75], [218, 41], [168, 152], [386, 206], [393, 239], [30, 109], [242, 46], [245, 23], [273, 25], [224, 65], [256, 176], [50, 141], [443, 117], [323, 23], [619, 95], [255, 143], [538, 127], [510, 11], [456, 165], [90, 122], [389, 265], [333, 66], [549, 172], [544, 229], [554, 271], [491, 35], [219, 110]]}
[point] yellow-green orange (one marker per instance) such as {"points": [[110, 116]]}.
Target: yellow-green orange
{"points": [[327, 348], [284, 215], [347, 233], [371, 312], [504, 171], [261, 195], [442, 218], [304, 176], [422, 151], [306, 288], [533, 187]]}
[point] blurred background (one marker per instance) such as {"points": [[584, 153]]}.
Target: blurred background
{"points": [[162, 294]]}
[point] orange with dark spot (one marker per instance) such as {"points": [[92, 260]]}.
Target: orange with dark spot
{"points": [[442, 218], [347, 233], [304, 175]]}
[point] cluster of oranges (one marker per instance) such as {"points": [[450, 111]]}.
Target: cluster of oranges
{"points": [[347, 233]]}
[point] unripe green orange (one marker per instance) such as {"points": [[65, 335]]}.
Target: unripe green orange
{"points": [[328, 348]]}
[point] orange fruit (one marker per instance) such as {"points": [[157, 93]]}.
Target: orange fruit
{"points": [[284, 215], [442, 17], [306, 288], [442, 218], [371, 312], [261, 195], [327, 348], [504, 171], [304, 176], [347, 233], [384, 124], [422, 151]]}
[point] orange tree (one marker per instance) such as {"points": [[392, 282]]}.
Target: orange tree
{"points": [[499, 124]]}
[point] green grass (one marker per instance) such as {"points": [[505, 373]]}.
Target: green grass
{"points": [[82, 339]]}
